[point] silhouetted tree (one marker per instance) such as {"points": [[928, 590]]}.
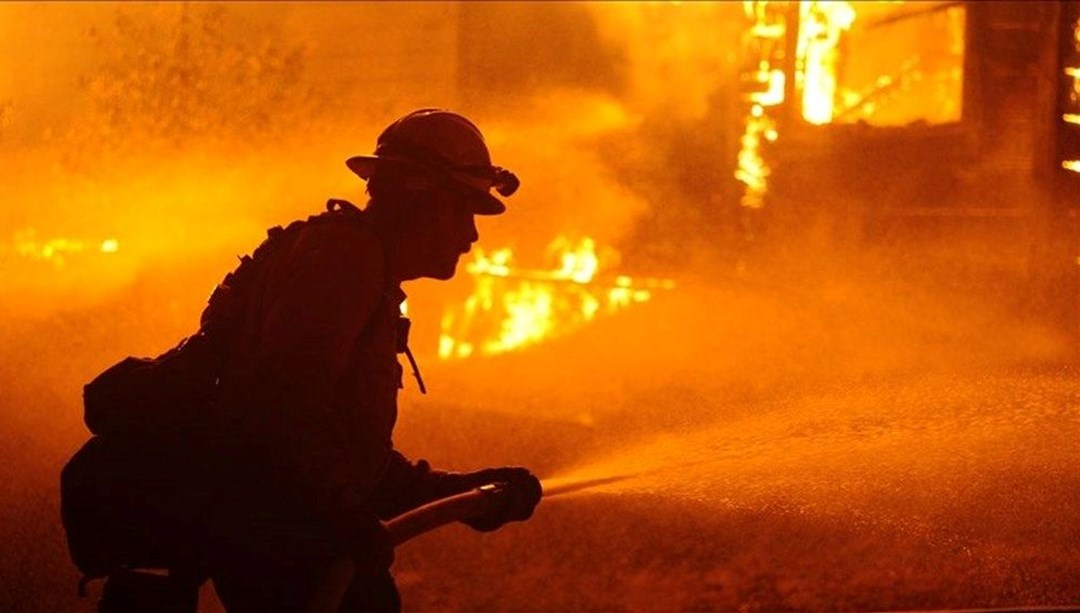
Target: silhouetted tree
{"points": [[173, 84]]}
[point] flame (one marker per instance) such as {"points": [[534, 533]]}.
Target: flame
{"points": [[767, 34], [820, 27], [814, 30], [1074, 71], [1073, 118], [752, 169], [511, 308], [56, 251]]}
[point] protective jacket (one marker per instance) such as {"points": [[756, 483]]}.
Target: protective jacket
{"points": [[290, 463], [311, 376]]}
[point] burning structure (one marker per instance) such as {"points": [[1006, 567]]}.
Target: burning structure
{"points": [[946, 130], [916, 125]]}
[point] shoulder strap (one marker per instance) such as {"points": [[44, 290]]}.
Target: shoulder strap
{"points": [[226, 304]]}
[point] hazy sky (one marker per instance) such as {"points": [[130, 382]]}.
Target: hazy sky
{"points": [[45, 46]]}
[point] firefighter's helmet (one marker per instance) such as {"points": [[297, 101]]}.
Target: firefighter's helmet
{"points": [[443, 144]]}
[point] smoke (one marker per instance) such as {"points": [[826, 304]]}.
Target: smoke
{"points": [[190, 130], [567, 190], [678, 55], [635, 161], [619, 120]]}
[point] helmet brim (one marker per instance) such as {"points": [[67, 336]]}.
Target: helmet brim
{"points": [[366, 165]]}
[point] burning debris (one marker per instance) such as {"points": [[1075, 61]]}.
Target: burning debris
{"points": [[57, 251], [512, 307]]}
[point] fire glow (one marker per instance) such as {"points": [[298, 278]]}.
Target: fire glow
{"points": [[820, 26], [511, 308], [1073, 72], [810, 63], [767, 32], [57, 251]]}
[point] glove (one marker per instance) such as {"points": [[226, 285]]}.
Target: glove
{"points": [[520, 494]]}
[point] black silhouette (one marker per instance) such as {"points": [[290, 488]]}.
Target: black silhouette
{"points": [[259, 450]]}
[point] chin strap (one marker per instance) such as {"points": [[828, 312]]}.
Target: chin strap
{"points": [[403, 325], [415, 370]]}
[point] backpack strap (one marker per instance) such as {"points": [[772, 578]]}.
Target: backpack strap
{"points": [[228, 300]]}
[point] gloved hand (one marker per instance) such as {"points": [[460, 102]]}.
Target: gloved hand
{"points": [[520, 494]]}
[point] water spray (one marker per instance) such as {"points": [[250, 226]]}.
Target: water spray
{"points": [[561, 487]]}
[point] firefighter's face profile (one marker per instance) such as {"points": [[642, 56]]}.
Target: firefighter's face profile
{"points": [[448, 230]]}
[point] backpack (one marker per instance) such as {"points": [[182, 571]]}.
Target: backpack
{"points": [[129, 495]]}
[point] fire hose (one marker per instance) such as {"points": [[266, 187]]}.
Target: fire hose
{"points": [[475, 502], [339, 576], [402, 528]]}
